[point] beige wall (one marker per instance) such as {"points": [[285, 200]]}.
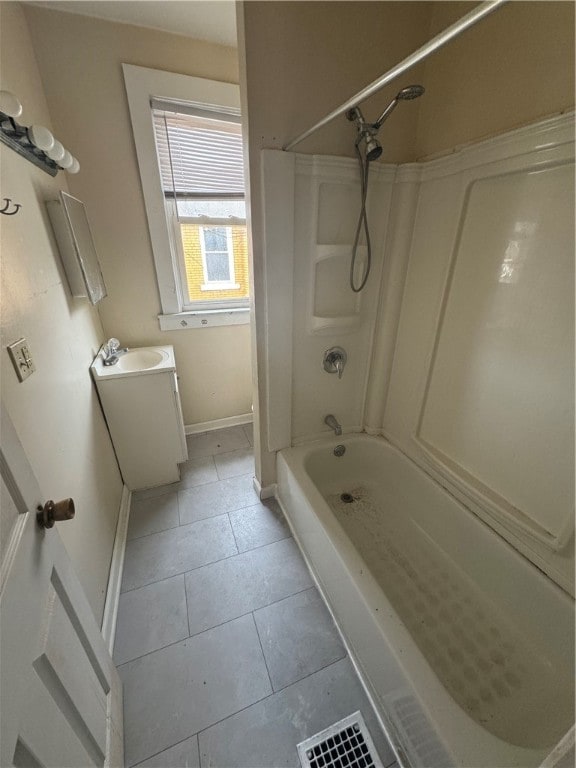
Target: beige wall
{"points": [[305, 58], [55, 411], [80, 59], [512, 68], [299, 60]]}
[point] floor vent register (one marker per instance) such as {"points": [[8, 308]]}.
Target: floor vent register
{"points": [[346, 744]]}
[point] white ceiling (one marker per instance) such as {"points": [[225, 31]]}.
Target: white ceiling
{"points": [[212, 20]]}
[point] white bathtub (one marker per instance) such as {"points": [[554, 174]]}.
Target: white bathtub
{"points": [[466, 647]]}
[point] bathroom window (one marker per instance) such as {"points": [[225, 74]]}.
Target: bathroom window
{"points": [[201, 166], [189, 144]]}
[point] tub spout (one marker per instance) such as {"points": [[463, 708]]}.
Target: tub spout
{"points": [[333, 424]]}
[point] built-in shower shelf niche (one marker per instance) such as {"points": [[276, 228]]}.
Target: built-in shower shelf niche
{"points": [[334, 306]]}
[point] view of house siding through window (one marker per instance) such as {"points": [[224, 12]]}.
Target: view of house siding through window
{"points": [[195, 270], [201, 167]]}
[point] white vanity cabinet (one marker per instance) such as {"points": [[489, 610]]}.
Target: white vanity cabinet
{"points": [[141, 403]]}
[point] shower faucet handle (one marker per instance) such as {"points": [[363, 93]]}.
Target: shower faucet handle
{"points": [[334, 360]]}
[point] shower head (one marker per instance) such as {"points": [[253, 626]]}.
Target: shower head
{"points": [[411, 92], [373, 148], [368, 131], [406, 94]]}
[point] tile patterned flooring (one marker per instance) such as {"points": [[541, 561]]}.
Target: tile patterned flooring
{"points": [[226, 650]]}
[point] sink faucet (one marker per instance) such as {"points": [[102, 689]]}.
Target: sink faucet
{"points": [[110, 352], [333, 424]]}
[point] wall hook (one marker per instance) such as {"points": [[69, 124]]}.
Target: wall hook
{"points": [[5, 210]]}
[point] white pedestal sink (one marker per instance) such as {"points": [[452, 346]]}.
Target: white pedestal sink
{"points": [[141, 403]]}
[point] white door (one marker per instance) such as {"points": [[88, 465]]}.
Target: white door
{"points": [[60, 694]]}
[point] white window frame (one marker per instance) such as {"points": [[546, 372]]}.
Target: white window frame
{"points": [[142, 85], [218, 285]]}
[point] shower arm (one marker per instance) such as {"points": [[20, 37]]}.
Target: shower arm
{"points": [[428, 48], [386, 114]]}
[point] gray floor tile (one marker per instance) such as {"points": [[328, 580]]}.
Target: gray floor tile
{"points": [[180, 690], [150, 618], [152, 515], [265, 735], [234, 463], [168, 553], [298, 637], [258, 525], [216, 498], [233, 587], [197, 472], [218, 441], [249, 432], [183, 755]]}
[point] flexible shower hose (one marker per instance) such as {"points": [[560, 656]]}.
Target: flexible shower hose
{"points": [[362, 219]]}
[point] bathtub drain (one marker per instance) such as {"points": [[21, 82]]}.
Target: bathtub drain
{"points": [[346, 743], [347, 498]]}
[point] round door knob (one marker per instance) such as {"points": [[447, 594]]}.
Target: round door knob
{"points": [[55, 511]]}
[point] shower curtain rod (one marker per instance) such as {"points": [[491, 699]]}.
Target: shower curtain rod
{"points": [[421, 53]]}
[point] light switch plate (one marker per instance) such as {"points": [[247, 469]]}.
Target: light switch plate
{"points": [[21, 359]]}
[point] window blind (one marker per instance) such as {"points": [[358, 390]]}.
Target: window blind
{"points": [[199, 157]]}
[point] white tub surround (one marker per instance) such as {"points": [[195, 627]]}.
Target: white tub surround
{"points": [[460, 349], [481, 389], [469, 665], [326, 312], [398, 244], [311, 209]]}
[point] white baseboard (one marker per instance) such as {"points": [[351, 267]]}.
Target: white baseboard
{"points": [[116, 568], [229, 421], [264, 492]]}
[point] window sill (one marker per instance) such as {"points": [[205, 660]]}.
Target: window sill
{"points": [[222, 286], [206, 318]]}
